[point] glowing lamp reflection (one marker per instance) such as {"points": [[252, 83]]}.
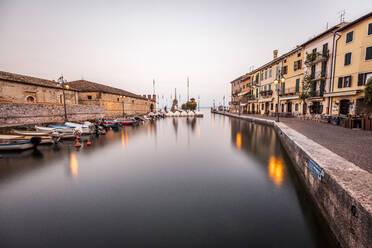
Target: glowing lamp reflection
{"points": [[239, 141], [73, 165], [276, 170]]}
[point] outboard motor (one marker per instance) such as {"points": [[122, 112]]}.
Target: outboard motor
{"points": [[35, 140]]}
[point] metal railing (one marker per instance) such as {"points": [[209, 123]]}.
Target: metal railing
{"points": [[289, 91]]}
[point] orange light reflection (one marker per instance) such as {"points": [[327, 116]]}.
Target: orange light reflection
{"points": [[276, 170], [73, 165], [239, 140], [124, 138]]}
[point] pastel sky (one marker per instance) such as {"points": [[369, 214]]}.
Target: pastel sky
{"points": [[127, 44]]}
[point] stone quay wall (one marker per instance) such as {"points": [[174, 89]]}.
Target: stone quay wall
{"points": [[21, 113], [341, 190]]}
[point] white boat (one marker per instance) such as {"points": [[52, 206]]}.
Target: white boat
{"points": [[52, 129], [83, 128]]}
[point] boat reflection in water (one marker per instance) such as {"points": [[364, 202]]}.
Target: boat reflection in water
{"points": [[276, 170]]}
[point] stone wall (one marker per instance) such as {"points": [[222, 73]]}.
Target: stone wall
{"points": [[23, 93], [340, 189], [18, 113]]}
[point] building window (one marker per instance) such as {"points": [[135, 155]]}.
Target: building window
{"points": [[297, 85], [262, 75], [265, 74], [296, 107], [349, 37], [314, 50], [297, 65], [270, 73], [285, 61], [298, 54], [344, 82], [285, 70], [133, 101], [347, 59], [369, 53], [369, 29], [89, 97], [118, 99], [272, 106], [262, 106], [363, 78], [30, 99], [325, 49]]}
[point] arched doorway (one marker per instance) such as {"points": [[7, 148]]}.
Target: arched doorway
{"points": [[344, 106], [30, 99], [152, 107]]}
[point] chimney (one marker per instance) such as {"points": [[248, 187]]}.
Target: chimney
{"points": [[275, 52]]}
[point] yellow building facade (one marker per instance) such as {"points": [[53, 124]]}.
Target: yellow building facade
{"points": [[352, 68]]}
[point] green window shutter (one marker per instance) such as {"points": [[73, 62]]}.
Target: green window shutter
{"points": [[360, 79], [340, 82], [297, 85]]}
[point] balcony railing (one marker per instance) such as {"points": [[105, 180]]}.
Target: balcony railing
{"points": [[266, 93], [289, 91], [315, 57], [316, 93], [318, 75]]}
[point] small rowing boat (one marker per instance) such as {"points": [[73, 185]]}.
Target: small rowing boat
{"points": [[44, 139], [19, 144]]}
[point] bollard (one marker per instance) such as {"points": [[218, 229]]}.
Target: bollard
{"points": [[77, 144]]}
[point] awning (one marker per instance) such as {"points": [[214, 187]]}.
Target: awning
{"points": [[244, 93], [243, 104], [342, 93], [289, 98], [266, 100]]}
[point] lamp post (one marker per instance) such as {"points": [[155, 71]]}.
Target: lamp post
{"points": [[276, 83], [64, 86], [123, 105]]}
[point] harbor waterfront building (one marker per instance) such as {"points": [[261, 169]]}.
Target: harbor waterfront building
{"points": [[24, 90], [16, 88], [352, 68], [324, 76], [318, 56], [116, 102]]}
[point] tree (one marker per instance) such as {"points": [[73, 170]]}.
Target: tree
{"points": [[368, 91], [190, 105]]}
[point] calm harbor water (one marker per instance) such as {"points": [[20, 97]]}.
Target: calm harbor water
{"points": [[208, 182]]}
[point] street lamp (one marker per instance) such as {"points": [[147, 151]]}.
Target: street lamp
{"points": [[123, 105], [276, 83], [67, 87]]}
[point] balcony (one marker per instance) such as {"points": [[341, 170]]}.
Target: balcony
{"points": [[266, 93], [316, 93], [318, 75], [315, 57], [289, 92]]}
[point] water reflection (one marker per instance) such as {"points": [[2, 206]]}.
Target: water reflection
{"points": [[276, 170], [73, 165], [124, 138], [239, 140]]}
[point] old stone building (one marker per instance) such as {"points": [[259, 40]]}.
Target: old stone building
{"points": [[18, 88], [116, 102]]}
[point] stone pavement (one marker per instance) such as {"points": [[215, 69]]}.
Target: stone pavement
{"points": [[353, 145]]}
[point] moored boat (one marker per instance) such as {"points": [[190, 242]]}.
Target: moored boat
{"points": [[19, 144]]}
